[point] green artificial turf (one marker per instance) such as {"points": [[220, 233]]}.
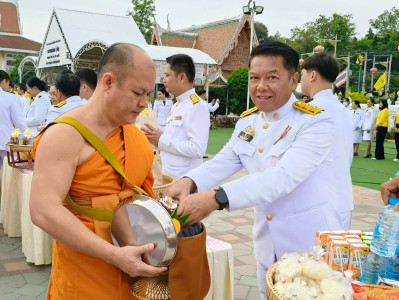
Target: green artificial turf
{"points": [[365, 172]]}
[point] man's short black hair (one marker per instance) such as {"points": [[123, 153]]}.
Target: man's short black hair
{"points": [[278, 49], [68, 84], [357, 102], [66, 71], [326, 65], [87, 76], [182, 63], [22, 86], [4, 75], [372, 100], [201, 92]]}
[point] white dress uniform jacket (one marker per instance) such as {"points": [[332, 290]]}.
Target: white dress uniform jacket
{"points": [[162, 108], [57, 110], [25, 104], [10, 117], [369, 123], [184, 141], [358, 119], [37, 112], [289, 179], [342, 151]]}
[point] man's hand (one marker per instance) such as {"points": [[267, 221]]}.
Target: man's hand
{"points": [[153, 134], [218, 101], [41, 126], [129, 260], [181, 189], [212, 102], [200, 206], [390, 189]]}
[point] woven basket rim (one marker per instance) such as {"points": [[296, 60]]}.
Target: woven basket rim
{"points": [[169, 179], [272, 293]]}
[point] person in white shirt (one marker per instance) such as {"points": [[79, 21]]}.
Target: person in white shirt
{"points": [[88, 82], [24, 100], [10, 114], [162, 107], [67, 96], [37, 112], [358, 119], [185, 139], [285, 146], [318, 74], [53, 94], [213, 105], [370, 116]]}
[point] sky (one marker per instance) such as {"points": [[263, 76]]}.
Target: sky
{"points": [[279, 16]]}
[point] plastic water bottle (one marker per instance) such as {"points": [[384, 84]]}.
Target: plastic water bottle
{"points": [[391, 266], [386, 232], [371, 268]]}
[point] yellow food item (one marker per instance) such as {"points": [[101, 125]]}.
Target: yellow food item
{"points": [[177, 225]]}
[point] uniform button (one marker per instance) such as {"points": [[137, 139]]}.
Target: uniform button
{"points": [[265, 126], [260, 149], [269, 217], [276, 116]]}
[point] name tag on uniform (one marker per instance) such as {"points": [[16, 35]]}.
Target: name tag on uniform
{"points": [[245, 136], [178, 118]]}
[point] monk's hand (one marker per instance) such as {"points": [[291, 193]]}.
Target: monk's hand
{"points": [[200, 206], [153, 134], [390, 189], [181, 189], [129, 260]]}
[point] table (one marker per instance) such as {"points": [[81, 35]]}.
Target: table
{"points": [[221, 265], [37, 245]]}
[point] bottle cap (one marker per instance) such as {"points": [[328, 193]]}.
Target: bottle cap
{"points": [[393, 201]]}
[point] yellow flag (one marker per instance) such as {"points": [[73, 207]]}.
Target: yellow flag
{"points": [[381, 81]]}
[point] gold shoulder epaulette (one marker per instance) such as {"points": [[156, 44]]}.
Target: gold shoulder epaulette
{"points": [[307, 108], [62, 103], [248, 112], [194, 98]]}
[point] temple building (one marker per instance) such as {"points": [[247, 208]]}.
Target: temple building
{"points": [[12, 43]]}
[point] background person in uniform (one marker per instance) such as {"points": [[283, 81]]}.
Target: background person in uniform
{"points": [[86, 265], [396, 126], [287, 154], [369, 125], [38, 109], [213, 105], [10, 114], [88, 82], [67, 96], [358, 120], [162, 107], [53, 94], [318, 74], [24, 100], [184, 141], [382, 128]]}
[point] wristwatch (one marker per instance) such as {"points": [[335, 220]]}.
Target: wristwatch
{"points": [[221, 198]]}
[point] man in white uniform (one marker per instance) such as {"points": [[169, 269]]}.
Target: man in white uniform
{"points": [[318, 74], [162, 106], [88, 82], [213, 105], [68, 86], [10, 114], [286, 148], [370, 116], [184, 141]]}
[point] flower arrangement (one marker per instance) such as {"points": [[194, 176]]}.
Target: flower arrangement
{"points": [[172, 207]]}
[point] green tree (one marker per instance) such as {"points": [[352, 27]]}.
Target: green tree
{"points": [[387, 22], [143, 13], [262, 33], [14, 72], [238, 83]]}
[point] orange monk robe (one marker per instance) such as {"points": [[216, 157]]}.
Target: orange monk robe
{"points": [[79, 276]]}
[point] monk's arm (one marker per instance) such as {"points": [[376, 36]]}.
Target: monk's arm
{"points": [[57, 157]]}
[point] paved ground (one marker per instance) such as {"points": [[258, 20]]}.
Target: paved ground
{"points": [[24, 281]]}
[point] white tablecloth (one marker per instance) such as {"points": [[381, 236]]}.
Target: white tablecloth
{"points": [[221, 265], [37, 245]]}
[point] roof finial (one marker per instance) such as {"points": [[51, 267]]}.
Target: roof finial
{"points": [[167, 20]]}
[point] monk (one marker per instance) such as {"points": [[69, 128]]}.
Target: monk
{"points": [[86, 265]]}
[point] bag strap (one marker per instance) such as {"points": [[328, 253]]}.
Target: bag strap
{"points": [[98, 144]]}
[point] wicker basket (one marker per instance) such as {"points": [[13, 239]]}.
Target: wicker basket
{"points": [[20, 156], [272, 293], [167, 182]]}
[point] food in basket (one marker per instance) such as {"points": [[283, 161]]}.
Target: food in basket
{"points": [[27, 137], [307, 276], [14, 136]]}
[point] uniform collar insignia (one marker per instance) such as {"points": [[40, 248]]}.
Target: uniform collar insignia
{"points": [[245, 136], [250, 130], [177, 118], [307, 108], [194, 98], [62, 103], [39, 96], [283, 134], [248, 112]]}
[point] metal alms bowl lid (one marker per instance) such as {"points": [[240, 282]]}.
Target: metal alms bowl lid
{"points": [[140, 220]]}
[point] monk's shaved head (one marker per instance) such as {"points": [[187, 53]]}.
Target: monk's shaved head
{"points": [[118, 59]]}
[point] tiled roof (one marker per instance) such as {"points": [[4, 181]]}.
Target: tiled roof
{"points": [[9, 18], [18, 42]]}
